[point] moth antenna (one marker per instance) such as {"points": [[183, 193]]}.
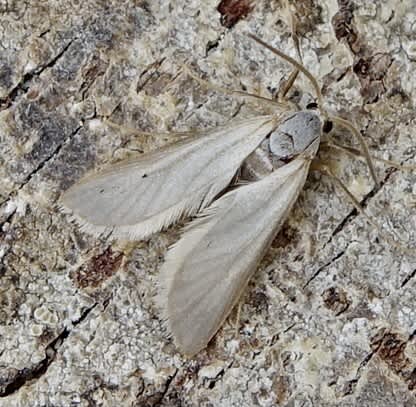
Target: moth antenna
{"points": [[293, 21], [354, 152], [293, 30], [138, 132], [344, 123], [298, 66], [354, 131], [327, 171], [230, 92]]}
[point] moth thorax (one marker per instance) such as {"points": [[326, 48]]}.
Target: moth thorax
{"points": [[292, 137], [295, 134]]}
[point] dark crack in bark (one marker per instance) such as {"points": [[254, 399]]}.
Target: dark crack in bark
{"points": [[23, 86], [51, 156], [213, 381], [38, 168], [25, 375], [408, 278], [351, 385], [322, 268], [213, 45], [363, 203], [159, 399]]}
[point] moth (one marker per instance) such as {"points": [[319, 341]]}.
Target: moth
{"points": [[206, 271]]}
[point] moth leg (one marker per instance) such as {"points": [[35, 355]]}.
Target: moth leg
{"points": [[281, 95], [346, 124], [324, 169], [238, 317], [230, 92], [299, 67], [353, 152]]}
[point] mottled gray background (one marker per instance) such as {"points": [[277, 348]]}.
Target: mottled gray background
{"points": [[329, 319]]}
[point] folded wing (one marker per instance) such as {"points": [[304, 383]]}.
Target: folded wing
{"points": [[136, 198], [206, 271]]}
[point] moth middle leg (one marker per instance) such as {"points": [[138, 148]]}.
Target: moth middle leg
{"points": [[355, 153], [325, 168]]}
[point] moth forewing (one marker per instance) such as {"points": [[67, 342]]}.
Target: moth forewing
{"points": [[136, 198], [206, 271]]}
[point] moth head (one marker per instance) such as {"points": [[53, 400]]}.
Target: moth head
{"points": [[299, 131]]}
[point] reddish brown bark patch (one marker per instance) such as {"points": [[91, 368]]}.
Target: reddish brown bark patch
{"points": [[335, 299], [370, 67], [287, 235], [233, 11], [371, 72], [307, 16], [281, 387], [344, 27], [99, 269], [391, 347]]}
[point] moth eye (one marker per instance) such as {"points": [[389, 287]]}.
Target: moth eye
{"points": [[312, 105], [327, 126]]}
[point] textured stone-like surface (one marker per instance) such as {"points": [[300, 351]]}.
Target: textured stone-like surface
{"points": [[329, 319]]}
